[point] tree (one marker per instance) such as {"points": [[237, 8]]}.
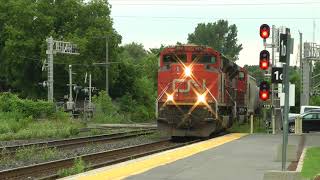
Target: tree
{"points": [[24, 26], [218, 35], [255, 72]]}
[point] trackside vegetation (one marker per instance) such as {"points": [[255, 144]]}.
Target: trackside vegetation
{"points": [[79, 166], [311, 164], [28, 119], [258, 127]]}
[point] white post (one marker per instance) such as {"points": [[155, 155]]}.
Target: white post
{"points": [[49, 52], [273, 124], [70, 83], [90, 89], [251, 124]]}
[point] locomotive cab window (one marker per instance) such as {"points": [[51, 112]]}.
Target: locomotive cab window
{"points": [[204, 59], [174, 58], [241, 76]]}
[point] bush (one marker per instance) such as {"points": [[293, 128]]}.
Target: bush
{"points": [[106, 111], [11, 103], [78, 167]]}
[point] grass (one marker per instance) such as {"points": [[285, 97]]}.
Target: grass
{"points": [[245, 127], [14, 126], [31, 154], [79, 166], [311, 164]]}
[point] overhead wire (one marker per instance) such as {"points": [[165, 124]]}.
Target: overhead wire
{"points": [[233, 18], [200, 3]]}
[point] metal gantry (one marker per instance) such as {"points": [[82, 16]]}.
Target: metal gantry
{"points": [[54, 47], [311, 53]]}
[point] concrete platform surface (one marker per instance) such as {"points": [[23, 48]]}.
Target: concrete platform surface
{"points": [[312, 139], [247, 158]]}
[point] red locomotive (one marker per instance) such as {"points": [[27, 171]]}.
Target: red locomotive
{"points": [[200, 91]]}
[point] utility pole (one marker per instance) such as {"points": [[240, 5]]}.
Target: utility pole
{"points": [[107, 66], [49, 52], [301, 71]]}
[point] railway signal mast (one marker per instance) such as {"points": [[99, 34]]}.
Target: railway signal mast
{"points": [[264, 62], [53, 48]]}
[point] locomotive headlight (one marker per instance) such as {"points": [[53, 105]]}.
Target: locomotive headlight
{"points": [[169, 97], [201, 98], [187, 71]]}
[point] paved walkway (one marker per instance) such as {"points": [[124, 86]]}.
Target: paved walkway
{"points": [[245, 159], [312, 139]]}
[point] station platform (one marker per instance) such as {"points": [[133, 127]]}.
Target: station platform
{"points": [[233, 156]]}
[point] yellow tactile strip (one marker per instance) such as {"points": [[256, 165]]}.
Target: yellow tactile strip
{"points": [[140, 165]]}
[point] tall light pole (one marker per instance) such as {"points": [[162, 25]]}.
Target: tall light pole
{"points": [[107, 66]]}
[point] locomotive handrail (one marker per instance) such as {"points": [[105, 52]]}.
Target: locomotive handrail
{"points": [[216, 103], [163, 91], [160, 96]]}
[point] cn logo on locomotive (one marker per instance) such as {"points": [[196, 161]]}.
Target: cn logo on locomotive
{"points": [[178, 87]]}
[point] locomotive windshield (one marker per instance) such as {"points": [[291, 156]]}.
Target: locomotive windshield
{"points": [[174, 58], [241, 76], [204, 59]]}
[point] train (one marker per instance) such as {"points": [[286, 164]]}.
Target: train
{"points": [[201, 91]]}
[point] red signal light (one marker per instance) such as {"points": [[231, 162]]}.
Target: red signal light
{"points": [[264, 95], [264, 65], [264, 31], [264, 60], [264, 90]]}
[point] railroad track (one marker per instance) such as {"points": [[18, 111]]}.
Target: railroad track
{"points": [[49, 170], [76, 142]]}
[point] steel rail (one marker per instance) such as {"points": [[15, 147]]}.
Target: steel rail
{"points": [[76, 142], [49, 170]]}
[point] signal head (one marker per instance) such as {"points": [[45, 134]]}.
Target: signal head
{"points": [[264, 31], [264, 60], [264, 90]]}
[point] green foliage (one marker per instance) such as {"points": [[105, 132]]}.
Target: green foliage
{"points": [[18, 119], [311, 164], [11, 103], [24, 27], [34, 152], [256, 72], [218, 35], [78, 167], [106, 111], [12, 127], [258, 127], [135, 88], [315, 100]]}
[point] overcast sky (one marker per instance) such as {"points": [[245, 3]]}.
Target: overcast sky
{"points": [[156, 22]]}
